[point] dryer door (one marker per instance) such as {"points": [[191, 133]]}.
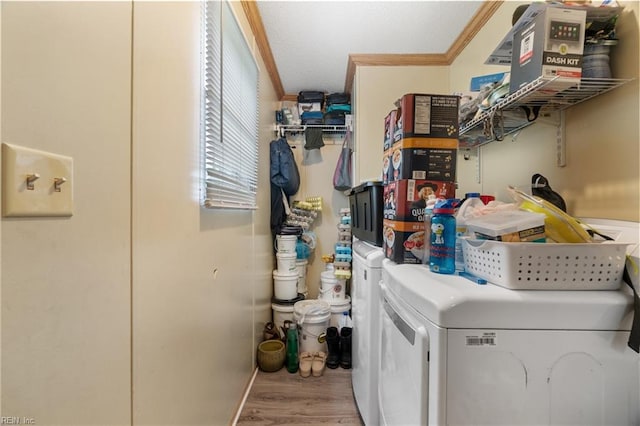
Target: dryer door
{"points": [[404, 365]]}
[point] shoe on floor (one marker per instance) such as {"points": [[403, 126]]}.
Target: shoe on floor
{"points": [[345, 347], [317, 366], [333, 344], [306, 360]]}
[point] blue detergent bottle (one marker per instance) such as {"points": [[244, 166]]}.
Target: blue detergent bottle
{"points": [[442, 253]]}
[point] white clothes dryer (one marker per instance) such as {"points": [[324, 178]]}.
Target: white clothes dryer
{"points": [[455, 352], [365, 300]]}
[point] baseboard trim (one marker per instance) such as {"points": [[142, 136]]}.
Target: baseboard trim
{"points": [[244, 397]]}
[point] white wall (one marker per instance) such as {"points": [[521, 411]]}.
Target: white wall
{"points": [[142, 307]]}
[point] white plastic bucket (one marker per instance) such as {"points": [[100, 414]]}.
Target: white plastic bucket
{"points": [[286, 262], [286, 243], [301, 267], [283, 311], [331, 288], [285, 285], [337, 309], [313, 318]]}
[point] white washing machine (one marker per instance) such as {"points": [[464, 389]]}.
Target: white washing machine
{"points": [[365, 296], [453, 352]]}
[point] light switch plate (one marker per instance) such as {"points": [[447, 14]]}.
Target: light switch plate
{"points": [[45, 198]]}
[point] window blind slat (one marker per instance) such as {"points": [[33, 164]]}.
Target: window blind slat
{"points": [[230, 112]]}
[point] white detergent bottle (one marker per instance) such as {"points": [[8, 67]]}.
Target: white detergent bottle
{"points": [[471, 201], [344, 321]]}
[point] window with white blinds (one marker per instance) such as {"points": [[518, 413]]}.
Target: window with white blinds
{"points": [[229, 112]]}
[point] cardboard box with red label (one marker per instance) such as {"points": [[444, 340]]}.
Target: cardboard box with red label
{"points": [[405, 200], [389, 129], [403, 242]]}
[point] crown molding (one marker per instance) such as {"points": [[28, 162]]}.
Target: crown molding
{"points": [[481, 17], [395, 60], [257, 27]]}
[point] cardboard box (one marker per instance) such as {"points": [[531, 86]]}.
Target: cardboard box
{"points": [[415, 158], [551, 45], [389, 129], [431, 116], [482, 80], [405, 200], [403, 242]]}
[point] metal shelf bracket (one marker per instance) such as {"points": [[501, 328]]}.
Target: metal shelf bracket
{"points": [[561, 152]]}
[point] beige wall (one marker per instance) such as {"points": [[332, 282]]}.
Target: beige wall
{"points": [[316, 180], [201, 278], [0, 209], [603, 137], [144, 300], [376, 89], [66, 281], [601, 177], [143, 306]]}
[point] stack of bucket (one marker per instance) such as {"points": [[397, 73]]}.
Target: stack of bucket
{"points": [[286, 280], [285, 277]]}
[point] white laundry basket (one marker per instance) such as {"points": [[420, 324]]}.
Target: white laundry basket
{"points": [[547, 266]]}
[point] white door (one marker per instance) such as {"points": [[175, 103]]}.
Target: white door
{"points": [[404, 366]]}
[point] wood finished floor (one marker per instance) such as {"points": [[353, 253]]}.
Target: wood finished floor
{"points": [[282, 398]]}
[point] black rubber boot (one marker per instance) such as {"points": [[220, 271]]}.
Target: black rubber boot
{"points": [[345, 347], [333, 344]]}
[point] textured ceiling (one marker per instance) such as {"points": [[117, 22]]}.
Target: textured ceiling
{"points": [[311, 40]]}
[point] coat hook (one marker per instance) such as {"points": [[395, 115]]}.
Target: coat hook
{"points": [[57, 183], [31, 179]]}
